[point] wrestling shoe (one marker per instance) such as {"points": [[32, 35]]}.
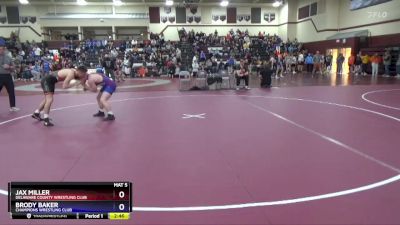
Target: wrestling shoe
{"points": [[47, 122], [36, 116], [14, 109], [99, 114], [110, 117]]}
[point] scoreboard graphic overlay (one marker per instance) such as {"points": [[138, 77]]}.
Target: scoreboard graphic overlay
{"points": [[70, 200]]}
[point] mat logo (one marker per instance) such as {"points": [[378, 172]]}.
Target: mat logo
{"points": [[194, 116]]}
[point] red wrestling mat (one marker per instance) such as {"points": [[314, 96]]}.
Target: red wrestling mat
{"points": [[304, 155]]}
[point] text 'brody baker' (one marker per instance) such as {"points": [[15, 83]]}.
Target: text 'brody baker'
{"points": [[36, 204], [32, 192]]}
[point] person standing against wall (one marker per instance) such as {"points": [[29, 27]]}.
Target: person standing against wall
{"points": [[309, 63], [339, 61], [365, 61], [357, 64], [387, 60], [6, 66], [300, 62], [351, 62], [279, 67], [328, 62], [375, 64], [317, 63]]}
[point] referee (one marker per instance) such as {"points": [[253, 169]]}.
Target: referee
{"points": [[6, 66]]}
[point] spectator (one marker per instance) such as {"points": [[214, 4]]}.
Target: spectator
{"points": [[309, 63], [242, 74], [195, 68], [119, 75], [317, 63], [109, 66], [339, 61], [293, 63], [202, 56], [36, 71], [178, 53], [114, 53], [365, 61], [351, 62], [357, 64], [21, 53], [127, 66], [322, 63], [375, 64], [46, 67], [272, 62], [328, 62], [279, 67], [26, 72], [287, 60], [300, 62], [230, 63], [142, 71], [387, 60], [38, 52]]}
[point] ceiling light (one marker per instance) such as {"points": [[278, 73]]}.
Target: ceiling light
{"points": [[224, 3], [24, 2], [118, 2], [169, 2], [81, 2], [277, 3]]}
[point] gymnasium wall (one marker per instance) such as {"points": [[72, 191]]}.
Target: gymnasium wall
{"points": [[335, 16], [208, 25], [33, 31], [26, 31], [283, 18], [374, 14], [332, 16]]}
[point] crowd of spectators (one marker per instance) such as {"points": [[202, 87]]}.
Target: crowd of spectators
{"points": [[235, 51]]}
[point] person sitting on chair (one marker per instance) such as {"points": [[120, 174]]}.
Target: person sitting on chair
{"points": [[242, 74]]}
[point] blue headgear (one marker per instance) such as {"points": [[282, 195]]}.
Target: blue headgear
{"points": [[99, 70]]}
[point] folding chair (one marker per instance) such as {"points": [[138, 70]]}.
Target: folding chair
{"points": [[226, 79], [201, 79], [184, 81]]}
